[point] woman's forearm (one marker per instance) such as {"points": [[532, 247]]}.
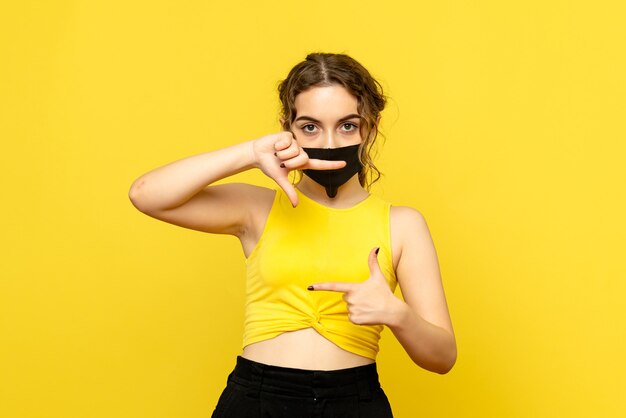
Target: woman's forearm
{"points": [[173, 184], [428, 345]]}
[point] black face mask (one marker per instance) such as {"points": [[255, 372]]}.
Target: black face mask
{"points": [[332, 179]]}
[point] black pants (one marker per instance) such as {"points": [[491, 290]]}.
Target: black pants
{"points": [[256, 390]]}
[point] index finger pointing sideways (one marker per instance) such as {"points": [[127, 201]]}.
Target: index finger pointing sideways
{"points": [[317, 164], [332, 286]]}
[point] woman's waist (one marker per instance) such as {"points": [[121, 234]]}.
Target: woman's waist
{"points": [[303, 349]]}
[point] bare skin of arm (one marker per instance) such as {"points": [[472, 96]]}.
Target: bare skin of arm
{"points": [[422, 322], [181, 193]]}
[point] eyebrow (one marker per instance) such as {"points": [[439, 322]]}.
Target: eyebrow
{"points": [[351, 116]]}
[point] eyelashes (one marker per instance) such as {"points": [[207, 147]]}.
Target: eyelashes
{"points": [[354, 127]]}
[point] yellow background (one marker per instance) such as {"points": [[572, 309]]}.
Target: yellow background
{"points": [[505, 128]]}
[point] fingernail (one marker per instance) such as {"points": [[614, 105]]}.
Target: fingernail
{"points": [[309, 288], [275, 155], [282, 165], [377, 250]]}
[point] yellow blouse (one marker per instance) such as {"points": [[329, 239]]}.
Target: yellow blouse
{"points": [[315, 243]]}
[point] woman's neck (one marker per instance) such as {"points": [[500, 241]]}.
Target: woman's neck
{"points": [[348, 194]]}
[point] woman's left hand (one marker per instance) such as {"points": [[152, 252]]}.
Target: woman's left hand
{"points": [[370, 302]]}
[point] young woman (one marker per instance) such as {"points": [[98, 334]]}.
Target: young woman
{"points": [[323, 255]]}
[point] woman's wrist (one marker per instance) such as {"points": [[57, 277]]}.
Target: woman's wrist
{"points": [[252, 155], [398, 312], [239, 157]]}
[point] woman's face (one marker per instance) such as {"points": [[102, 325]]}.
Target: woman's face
{"points": [[326, 117]]}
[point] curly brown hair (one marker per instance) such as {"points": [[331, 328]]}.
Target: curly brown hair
{"points": [[325, 69]]}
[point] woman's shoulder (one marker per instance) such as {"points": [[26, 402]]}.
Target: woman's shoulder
{"points": [[404, 214], [407, 225], [410, 234]]}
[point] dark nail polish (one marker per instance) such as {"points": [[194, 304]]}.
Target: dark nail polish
{"points": [[275, 155], [377, 249], [282, 165], [309, 288]]}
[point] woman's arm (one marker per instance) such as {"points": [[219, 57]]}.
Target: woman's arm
{"points": [[181, 193], [177, 192], [421, 322]]}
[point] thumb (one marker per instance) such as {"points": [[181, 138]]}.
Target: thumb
{"points": [[373, 263], [290, 191]]}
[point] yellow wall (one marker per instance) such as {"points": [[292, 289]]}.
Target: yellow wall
{"points": [[505, 128]]}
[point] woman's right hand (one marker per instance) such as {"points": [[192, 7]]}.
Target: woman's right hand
{"points": [[277, 154]]}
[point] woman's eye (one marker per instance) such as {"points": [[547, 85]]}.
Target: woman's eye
{"points": [[347, 127], [350, 125]]}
